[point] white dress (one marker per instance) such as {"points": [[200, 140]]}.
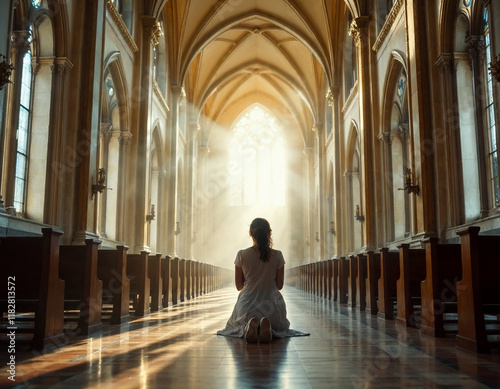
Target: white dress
{"points": [[260, 297]]}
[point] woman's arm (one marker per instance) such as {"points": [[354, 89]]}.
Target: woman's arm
{"points": [[239, 280], [280, 277]]}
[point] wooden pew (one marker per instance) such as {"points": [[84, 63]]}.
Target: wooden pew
{"points": [[182, 280], [352, 280], [329, 275], [335, 278], [155, 281], [343, 280], [387, 288], [478, 292], [33, 264], [372, 281], [189, 279], [137, 272], [166, 266], [439, 297], [112, 270], [175, 281], [361, 283], [82, 287], [411, 275]]}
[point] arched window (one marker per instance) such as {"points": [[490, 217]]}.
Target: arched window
{"points": [[23, 135], [490, 114], [257, 161]]}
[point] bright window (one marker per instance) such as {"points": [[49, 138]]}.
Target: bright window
{"points": [[257, 161]]}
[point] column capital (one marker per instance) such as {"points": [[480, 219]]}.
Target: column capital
{"points": [[152, 29], [61, 66], [359, 29], [124, 137], [386, 137], [476, 46], [332, 95], [445, 62], [21, 40]]}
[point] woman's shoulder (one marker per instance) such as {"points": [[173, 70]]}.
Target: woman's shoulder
{"points": [[276, 253]]}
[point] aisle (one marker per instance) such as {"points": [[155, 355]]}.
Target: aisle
{"points": [[178, 348]]}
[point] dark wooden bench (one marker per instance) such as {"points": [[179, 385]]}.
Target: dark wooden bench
{"points": [[335, 278], [443, 268], [328, 281], [189, 279], [155, 281], [478, 292], [137, 272], [372, 281], [166, 267], [361, 282], [82, 287], [182, 279], [387, 288], [352, 280], [112, 270], [33, 264], [175, 281], [409, 290], [343, 280]]}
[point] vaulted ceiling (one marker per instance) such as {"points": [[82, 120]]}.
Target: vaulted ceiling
{"points": [[230, 54]]}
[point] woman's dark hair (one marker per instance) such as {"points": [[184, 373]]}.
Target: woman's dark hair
{"points": [[261, 232]]}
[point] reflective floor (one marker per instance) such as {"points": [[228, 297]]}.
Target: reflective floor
{"points": [[178, 348]]}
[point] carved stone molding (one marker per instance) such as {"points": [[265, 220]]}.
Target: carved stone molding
{"points": [[117, 18], [332, 95], [476, 46], [462, 57], [152, 28], [386, 137], [125, 137], [389, 21], [359, 29], [352, 95], [446, 62], [21, 41], [106, 129], [61, 66]]}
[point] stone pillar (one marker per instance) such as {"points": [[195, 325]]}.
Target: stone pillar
{"points": [[420, 110], [334, 103], [20, 45], [89, 97], [309, 201], [192, 136], [172, 172], [202, 203], [54, 177], [452, 176], [121, 212], [322, 210], [388, 186], [359, 31], [105, 136]]}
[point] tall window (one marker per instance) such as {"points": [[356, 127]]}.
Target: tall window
{"points": [[490, 113], [23, 134], [257, 161]]}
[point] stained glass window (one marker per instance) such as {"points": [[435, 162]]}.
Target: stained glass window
{"points": [[257, 161], [490, 114], [36, 3]]}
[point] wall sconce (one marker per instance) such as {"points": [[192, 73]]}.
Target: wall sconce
{"points": [[332, 228], [317, 237], [495, 68], [177, 230], [151, 215], [5, 71], [409, 186], [101, 183], [357, 215]]}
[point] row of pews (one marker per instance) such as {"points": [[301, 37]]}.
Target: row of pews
{"points": [[442, 289], [60, 284]]}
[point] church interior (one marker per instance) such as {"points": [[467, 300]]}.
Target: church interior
{"points": [[138, 140]]}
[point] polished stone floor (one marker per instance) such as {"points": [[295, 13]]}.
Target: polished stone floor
{"points": [[178, 348]]}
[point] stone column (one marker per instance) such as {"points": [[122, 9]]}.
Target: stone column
{"points": [[309, 201], [54, 177], [121, 212], [193, 131], [359, 31], [202, 202], [334, 103], [452, 176], [177, 93], [420, 109], [20, 45], [388, 186], [89, 97], [105, 136], [322, 210]]}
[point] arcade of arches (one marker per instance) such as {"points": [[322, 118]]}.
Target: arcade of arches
{"points": [[168, 125]]}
